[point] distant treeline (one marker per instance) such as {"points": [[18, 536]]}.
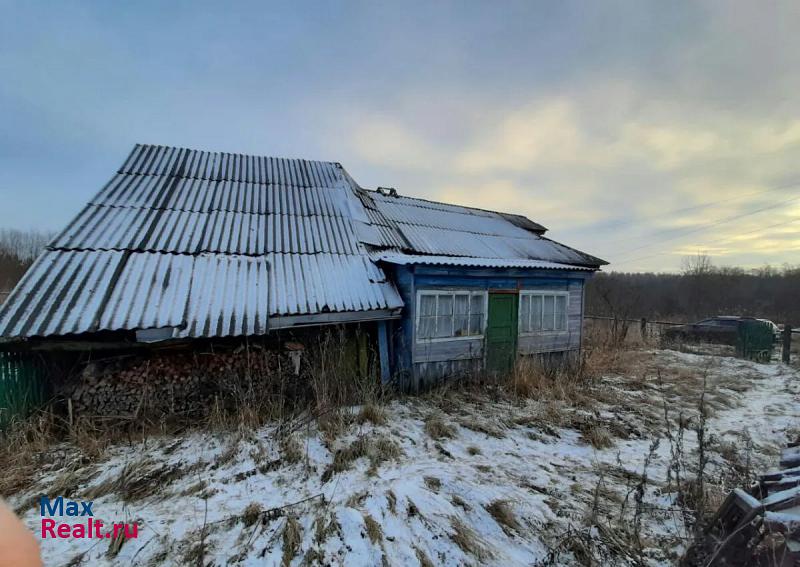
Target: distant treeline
{"points": [[701, 290], [18, 250]]}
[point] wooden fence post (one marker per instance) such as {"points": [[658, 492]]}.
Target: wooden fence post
{"points": [[643, 328], [787, 342]]}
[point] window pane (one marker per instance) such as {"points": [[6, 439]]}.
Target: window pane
{"points": [[536, 313], [525, 313], [426, 327], [477, 303], [445, 306], [461, 315], [462, 304], [561, 312], [427, 305], [547, 312], [476, 324], [460, 325], [444, 326]]}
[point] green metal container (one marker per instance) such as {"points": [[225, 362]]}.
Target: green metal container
{"points": [[755, 341]]}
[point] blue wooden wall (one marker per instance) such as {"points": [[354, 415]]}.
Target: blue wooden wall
{"points": [[417, 362]]}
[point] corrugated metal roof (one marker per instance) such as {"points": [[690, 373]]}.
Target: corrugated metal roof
{"points": [[73, 292], [228, 297], [219, 166], [101, 227], [203, 195], [212, 244], [465, 220], [60, 294], [417, 227], [321, 283], [395, 258]]}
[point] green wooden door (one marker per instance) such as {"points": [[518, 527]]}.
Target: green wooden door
{"points": [[501, 332]]}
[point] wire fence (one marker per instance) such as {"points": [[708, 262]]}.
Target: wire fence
{"points": [[631, 329], [624, 330]]}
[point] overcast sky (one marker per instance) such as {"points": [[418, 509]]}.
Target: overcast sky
{"points": [[614, 124]]}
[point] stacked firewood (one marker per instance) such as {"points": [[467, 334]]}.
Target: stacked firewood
{"points": [[176, 383]]}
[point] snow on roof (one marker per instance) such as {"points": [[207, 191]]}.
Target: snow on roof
{"points": [[212, 244], [395, 258], [419, 227]]}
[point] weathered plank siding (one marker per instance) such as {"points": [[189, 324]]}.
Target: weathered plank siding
{"points": [[430, 360], [437, 351]]}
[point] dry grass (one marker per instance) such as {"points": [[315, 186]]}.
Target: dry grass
{"points": [[473, 450], [433, 483], [43, 439], [422, 557], [377, 449], [70, 478], [372, 413], [460, 502], [391, 501], [411, 508], [437, 428], [231, 451], [116, 543], [325, 525], [373, 529], [482, 425], [531, 379], [141, 479], [333, 424], [502, 513], [597, 436], [466, 539], [291, 449], [251, 514], [292, 538]]}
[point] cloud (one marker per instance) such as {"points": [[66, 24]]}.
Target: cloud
{"points": [[604, 123], [544, 133], [381, 139], [660, 174]]}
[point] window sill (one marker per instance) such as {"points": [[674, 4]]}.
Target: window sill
{"points": [[544, 333], [449, 339]]}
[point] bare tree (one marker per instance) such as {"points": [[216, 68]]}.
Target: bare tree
{"points": [[618, 300], [24, 244], [18, 250], [700, 290]]}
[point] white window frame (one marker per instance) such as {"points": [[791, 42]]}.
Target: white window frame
{"points": [[451, 292], [541, 293]]}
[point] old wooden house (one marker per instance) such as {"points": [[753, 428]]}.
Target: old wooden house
{"points": [[183, 245]]}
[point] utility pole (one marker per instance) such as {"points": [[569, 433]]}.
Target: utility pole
{"points": [[787, 342]]}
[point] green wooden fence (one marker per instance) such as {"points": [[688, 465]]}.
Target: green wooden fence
{"points": [[23, 386]]}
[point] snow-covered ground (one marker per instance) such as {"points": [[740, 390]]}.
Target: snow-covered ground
{"points": [[449, 478]]}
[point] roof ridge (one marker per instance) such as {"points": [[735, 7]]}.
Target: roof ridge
{"points": [[424, 200], [218, 210], [249, 155]]}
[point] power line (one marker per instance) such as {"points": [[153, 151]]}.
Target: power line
{"points": [[760, 229], [697, 207], [712, 225]]}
